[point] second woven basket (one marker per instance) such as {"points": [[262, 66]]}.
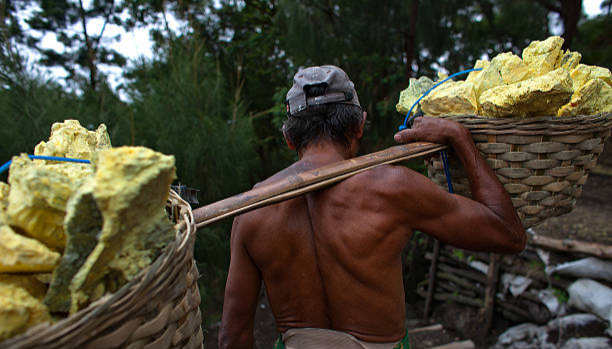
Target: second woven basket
{"points": [[158, 309], [542, 162]]}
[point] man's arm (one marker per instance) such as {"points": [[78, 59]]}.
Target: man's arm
{"points": [[241, 292], [488, 222]]}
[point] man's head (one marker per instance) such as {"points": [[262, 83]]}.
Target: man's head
{"points": [[322, 105]]}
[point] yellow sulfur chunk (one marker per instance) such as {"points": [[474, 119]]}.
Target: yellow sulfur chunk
{"points": [[4, 192], [19, 254], [140, 249], [505, 68], [511, 67], [38, 197], [570, 60], [543, 57], [473, 76], [487, 78], [44, 278], [30, 283], [70, 139], [415, 89], [451, 98], [441, 76], [19, 310], [130, 188], [593, 97], [583, 73], [542, 95], [82, 226]]}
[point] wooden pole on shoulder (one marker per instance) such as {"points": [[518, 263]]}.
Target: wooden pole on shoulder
{"points": [[301, 183]]}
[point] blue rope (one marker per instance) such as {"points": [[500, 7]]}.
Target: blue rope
{"points": [[447, 171], [408, 118], [43, 157], [443, 152]]}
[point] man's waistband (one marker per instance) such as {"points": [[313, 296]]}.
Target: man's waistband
{"points": [[306, 338]]}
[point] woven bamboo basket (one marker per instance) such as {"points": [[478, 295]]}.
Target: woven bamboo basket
{"points": [[542, 162], [157, 309]]}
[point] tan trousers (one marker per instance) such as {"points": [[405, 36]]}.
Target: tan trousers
{"points": [[311, 338]]}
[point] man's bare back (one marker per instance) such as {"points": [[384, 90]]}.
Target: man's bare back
{"points": [[331, 259]]}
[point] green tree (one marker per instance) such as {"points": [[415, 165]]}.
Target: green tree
{"points": [[594, 41], [81, 48]]}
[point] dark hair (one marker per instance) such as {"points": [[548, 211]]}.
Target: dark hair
{"points": [[338, 122]]}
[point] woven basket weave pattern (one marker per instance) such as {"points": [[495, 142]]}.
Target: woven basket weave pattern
{"points": [[157, 309], [541, 162]]}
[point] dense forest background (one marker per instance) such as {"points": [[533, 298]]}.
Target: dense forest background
{"points": [[213, 93]]}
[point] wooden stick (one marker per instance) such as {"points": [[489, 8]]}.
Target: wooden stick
{"points": [[436, 327], [300, 183], [491, 290], [568, 245], [467, 344], [512, 316], [459, 281], [470, 274], [450, 250], [514, 309], [539, 277], [454, 288], [432, 280], [443, 296]]}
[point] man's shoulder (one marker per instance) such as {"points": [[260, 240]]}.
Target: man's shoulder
{"points": [[385, 177], [255, 220], [294, 169], [381, 179]]}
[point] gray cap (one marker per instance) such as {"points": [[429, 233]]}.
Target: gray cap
{"points": [[339, 88]]}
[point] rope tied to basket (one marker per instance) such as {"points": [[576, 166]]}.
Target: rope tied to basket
{"points": [[408, 121]]}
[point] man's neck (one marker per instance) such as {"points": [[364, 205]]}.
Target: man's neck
{"points": [[325, 152]]}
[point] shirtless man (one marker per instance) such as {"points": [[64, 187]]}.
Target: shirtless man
{"points": [[330, 259]]}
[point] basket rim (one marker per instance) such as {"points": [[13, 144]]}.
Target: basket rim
{"points": [[184, 239], [526, 120], [537, 126]]}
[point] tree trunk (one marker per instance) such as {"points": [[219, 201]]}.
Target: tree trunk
{"points": [[410, 39], [570, 11], [570, 14], [90, 50]]}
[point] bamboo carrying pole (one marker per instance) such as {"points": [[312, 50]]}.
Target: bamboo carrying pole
{"points": [[301, 183]]}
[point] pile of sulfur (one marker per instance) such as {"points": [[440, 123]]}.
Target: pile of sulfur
{"points": [[70, 232], [545, 82]]}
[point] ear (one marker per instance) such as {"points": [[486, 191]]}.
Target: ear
{"points": [[360, 131], [288, 141]]}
